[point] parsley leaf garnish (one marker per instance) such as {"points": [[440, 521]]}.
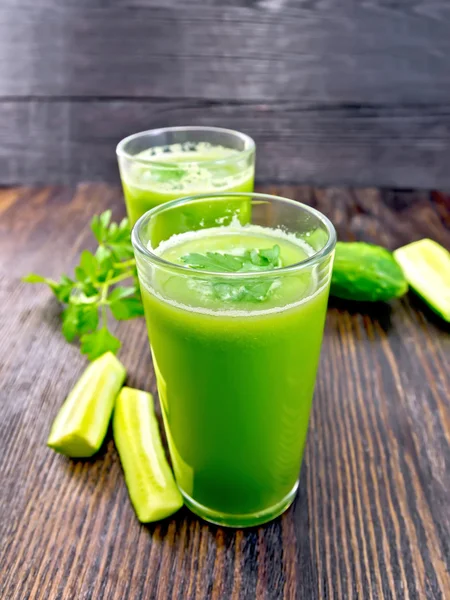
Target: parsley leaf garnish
{"points": [[238, 290], [98, 286], [98, 289]]}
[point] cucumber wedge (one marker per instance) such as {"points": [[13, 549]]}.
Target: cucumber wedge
{"points": [[426, 266], [81, 424], [149, 479]]}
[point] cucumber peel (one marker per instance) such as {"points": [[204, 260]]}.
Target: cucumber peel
{"points": [[81, 424], [426, 265], [150, 482], [366, 273]]}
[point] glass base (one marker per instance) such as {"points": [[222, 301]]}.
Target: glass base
{"points": [[246, 520]]}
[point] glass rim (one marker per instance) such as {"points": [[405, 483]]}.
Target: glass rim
{"points": [[309, 261], [249, 146]]}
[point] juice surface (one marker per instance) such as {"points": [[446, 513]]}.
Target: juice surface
{"points": [[196, 172], [235, 379]]}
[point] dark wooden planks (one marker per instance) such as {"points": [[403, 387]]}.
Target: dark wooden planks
{"points": [[370, 52], [334, 92], [61, 141], [371, 518]]}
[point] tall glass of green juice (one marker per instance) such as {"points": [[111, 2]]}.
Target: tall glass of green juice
{"points": [[160, 165], [235, 314]]}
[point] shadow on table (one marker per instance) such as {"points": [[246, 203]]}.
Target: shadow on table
{"points": [[106, 449], [420, 306], [51, 311], [376, 311]]}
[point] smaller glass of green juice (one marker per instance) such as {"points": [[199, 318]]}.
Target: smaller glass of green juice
{"points": [[235, 313], [160, 165]]}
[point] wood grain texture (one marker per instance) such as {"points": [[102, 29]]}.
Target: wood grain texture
{"points": [[75, 141], [361, 52], [371, 518], [334, 92]]}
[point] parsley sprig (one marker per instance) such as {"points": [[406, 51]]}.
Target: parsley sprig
{"points": [[105, 283], [238, 290], [98, 288]]}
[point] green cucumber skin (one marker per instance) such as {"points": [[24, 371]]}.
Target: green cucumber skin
{"points": [[366, 273]]}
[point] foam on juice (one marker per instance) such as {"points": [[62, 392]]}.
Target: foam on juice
{"points": [[216, 234], [209, 240], [191, 168]]}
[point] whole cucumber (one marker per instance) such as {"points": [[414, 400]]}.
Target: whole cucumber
{"points": [[366, 273]]}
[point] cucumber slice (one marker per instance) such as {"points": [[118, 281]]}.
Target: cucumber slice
{"points": [[149, 479], [81, 424], [426, 266]]}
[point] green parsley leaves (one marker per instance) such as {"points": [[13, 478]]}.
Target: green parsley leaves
{"points": [[105, 283], [98, 288], [250, 260], [238, 290]]}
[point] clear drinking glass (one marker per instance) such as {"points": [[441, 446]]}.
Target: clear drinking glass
{"points": [[160, 165], [235, 353]]}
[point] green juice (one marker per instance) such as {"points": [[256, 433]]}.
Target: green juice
{"points": [[158, 175], [235, 378]]}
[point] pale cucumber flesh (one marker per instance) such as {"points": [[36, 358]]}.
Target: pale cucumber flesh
{"points": [[426, 265], [150, 482], [81, 424]]}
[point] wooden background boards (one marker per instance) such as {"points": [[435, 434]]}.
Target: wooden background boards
{"points": [[371, 519], [351, 92]]}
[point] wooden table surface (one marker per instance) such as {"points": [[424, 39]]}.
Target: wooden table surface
{"points": [[371, 519]]}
